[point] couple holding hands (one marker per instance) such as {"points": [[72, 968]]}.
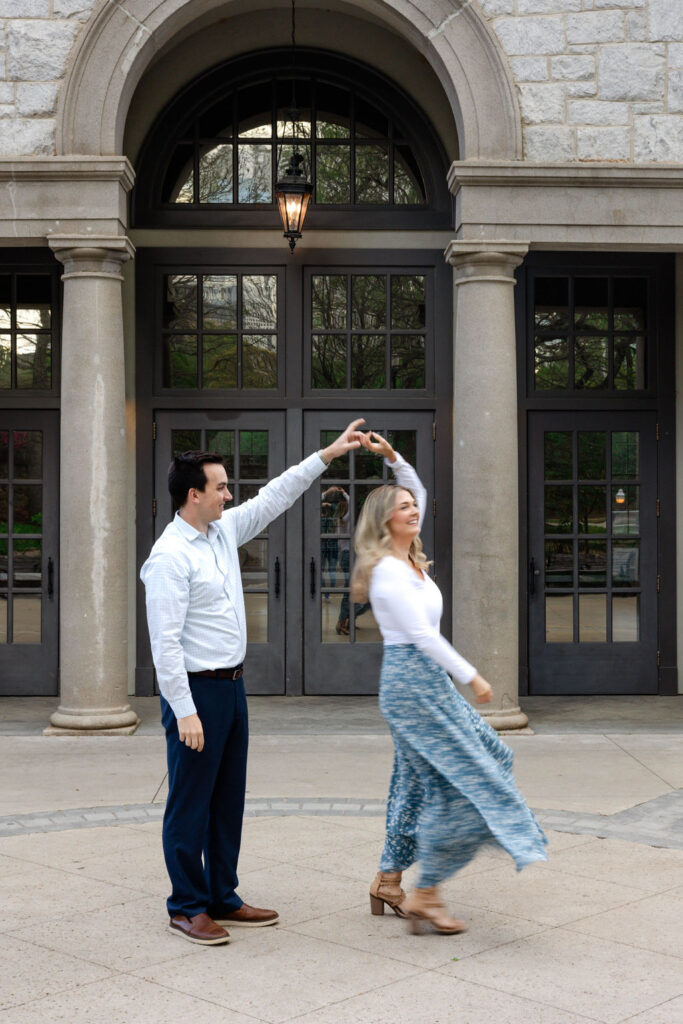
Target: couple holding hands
{"points": [[452, 790]]}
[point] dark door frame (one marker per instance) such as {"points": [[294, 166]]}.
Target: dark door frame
{"points": [[658, 398], [153, 261]]}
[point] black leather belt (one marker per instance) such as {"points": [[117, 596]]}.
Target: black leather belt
{"points": [[221, 673]]}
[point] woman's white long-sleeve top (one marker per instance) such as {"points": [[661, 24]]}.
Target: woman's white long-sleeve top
{"points": [[408, 610]]}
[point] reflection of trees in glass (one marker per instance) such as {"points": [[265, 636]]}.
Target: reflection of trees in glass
{"points": [[215, 175], [185, 441], [259, 301], [5, 361], [180, 302], [259, 361], [408, 361], [34, 361], [180, 361], [219, 301], [368, 301], [407, 301], [219, 357], [333, 174], [368, 366], [372, 174], [591, 363], [329, 361], [551, 370], [408, 186], [254, 453], [328, 301], [255, 174]]}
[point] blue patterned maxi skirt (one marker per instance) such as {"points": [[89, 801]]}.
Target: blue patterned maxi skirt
{"points": [[452, 790]]}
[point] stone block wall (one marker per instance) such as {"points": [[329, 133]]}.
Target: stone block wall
{"points": [[596, 79]]}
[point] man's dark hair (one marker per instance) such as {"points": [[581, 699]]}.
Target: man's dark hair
{"points": [[187, 471]]}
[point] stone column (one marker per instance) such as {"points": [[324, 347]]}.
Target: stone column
{"points": [[485, 480], [93, 542]]}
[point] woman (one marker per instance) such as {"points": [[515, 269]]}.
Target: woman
{"points": [[451, 789]]}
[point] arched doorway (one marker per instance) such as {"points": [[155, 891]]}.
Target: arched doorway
{"points": [[262, 355]]}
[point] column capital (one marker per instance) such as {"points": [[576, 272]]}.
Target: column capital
{"points": [[91, 255], [485, 260]]}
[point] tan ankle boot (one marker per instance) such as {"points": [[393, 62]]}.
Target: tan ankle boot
{"points": [[426, 905], [386, 889]]}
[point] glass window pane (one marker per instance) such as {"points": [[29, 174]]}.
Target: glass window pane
{"points": [[180, 302], [368, 302], [551, 364], [185, 441], [328, 364], [223, 442], [259, 302], [367, 630], [254, 564], [4, 454], [559, 564], [328, 301], [592, 456], [179, 368], [4, 547], [559, 618], [629, 362], [329, 128], [259, 360], [626, 454], [405, 443], [372, 174], [3, 619], [34, 361], [625, 509], [256, 611], [557, 455], [28, 454], [28, 507], [334, 517], [626, 563], [625, 618], [593, 618], [590, 303], [4, 508], [551, 303], [28, 573], [5, 360], [294, 159], [559, 516], [339, 469], [219, 301], [591, 362], [255, 174], [5, 302], [408, 185], [407, 301], [368, 361], [592, 563], [219, 360], [360, 494], [334, 627], [592, 510], [254, 454], [407, 361], [332, 174], [630, 303], [333, 112], [179, 181], [215, 174], [27, 611], [368, 466], [34, 302]]}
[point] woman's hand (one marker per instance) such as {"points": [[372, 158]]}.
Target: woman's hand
{"points": [[379, 445], [483, 693]]}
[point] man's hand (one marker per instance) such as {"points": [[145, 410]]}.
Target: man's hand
{"points": [[379, 445], [350, 438], [190, 732], [483, 694]]}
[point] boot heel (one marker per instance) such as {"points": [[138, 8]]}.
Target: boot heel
{"points": [[376, 906]]}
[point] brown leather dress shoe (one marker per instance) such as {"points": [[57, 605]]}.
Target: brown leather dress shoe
{"points": [[200, 928], [249, 917]]}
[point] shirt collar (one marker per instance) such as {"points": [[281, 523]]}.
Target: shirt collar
{"points": [[189, 532]]}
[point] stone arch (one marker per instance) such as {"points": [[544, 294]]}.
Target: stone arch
{"points": [[123, 36]]}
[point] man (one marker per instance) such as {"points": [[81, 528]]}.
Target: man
{"points": [[197, 627]]}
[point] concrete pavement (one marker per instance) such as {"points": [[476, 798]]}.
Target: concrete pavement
{"points": [[596, 934]]}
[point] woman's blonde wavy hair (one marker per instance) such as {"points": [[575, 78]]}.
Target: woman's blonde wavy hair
{"points": [[372, 539]]}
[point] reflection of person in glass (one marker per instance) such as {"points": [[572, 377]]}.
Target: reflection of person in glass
{"points": [[452, 790], [338, 501], [198, 631]]}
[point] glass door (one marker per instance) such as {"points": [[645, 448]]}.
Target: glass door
{"points": [[342, 642], [29, 550], [253, 445], [593, 553]]}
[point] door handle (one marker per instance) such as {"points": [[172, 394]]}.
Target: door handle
{"points": [[277, 577], [312, 568], [533, 573], [50, 578]]}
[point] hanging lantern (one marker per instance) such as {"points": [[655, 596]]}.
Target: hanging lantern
{"points": [[620, 496], [293, 194]]}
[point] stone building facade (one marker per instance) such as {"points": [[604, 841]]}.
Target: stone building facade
{"points": [[508, 174]]}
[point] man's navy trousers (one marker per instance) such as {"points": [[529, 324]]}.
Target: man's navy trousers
{"points": [[203, 819]]}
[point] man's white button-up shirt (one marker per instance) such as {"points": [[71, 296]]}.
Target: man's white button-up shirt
{"points": [[193, 585]]}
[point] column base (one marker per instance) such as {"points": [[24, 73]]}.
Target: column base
{"points": [[96, 722], [507, 719]]}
